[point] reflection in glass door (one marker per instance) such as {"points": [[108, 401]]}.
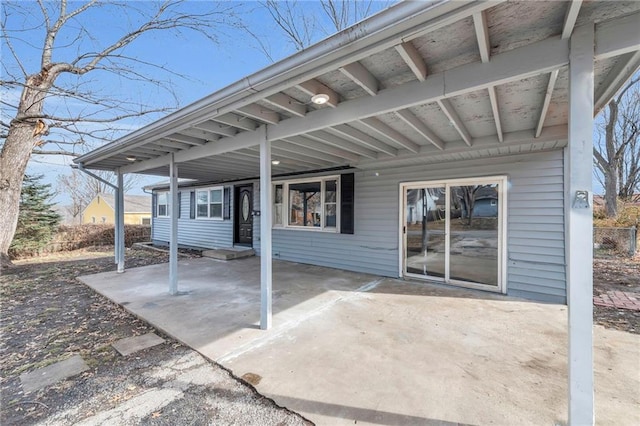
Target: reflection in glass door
{"points": [[452, 231], [425, 231], [473, 233]]}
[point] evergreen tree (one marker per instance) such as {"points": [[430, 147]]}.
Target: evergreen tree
{"points": [[37, 221]]}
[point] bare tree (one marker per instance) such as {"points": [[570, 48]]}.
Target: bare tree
{"points": [[301, 24], [82, 188], [67, 54], [617, 148]]}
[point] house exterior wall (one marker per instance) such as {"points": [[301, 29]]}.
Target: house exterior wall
{"points": [[535, 224], [98, 209], [135, 218]]}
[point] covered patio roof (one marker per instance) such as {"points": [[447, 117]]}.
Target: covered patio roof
{"points": [[419, 83]]}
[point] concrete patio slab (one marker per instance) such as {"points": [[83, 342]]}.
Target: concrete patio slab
{"points": [[349, 347], [45, 376], [130, 345]]}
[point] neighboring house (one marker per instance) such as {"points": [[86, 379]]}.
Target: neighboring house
{"points": [[137, 210], [314, 158]]}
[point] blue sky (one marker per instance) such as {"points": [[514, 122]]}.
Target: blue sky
{"points": [[208, 66]]}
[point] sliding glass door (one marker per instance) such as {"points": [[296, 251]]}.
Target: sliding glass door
{"points": [[453, 231]]}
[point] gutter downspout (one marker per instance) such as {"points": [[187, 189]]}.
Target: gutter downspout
{"points": [[118, 207]]}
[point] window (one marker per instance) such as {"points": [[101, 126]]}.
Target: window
{"points": [[308, 204], [163, 204], [146, 221], [104, 219], [209, 203]]}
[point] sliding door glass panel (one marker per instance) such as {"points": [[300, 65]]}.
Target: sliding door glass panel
{"points": [[425, 231], [474, 221]]}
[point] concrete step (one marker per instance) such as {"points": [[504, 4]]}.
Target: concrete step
{"points": [[229, 253]]}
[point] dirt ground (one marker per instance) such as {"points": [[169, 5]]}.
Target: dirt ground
{"points": [[617, 274], [48, 315]]}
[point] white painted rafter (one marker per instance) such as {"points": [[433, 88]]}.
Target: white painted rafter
{"points": [[360, 75], [329, 139], [413, 59], [416, 124], [516, 64], [285, 145], [314, 87], [547, 100], [617, 37], [260, 113], [482, 35], [455, 120], [624, 69], [287, 103], [570, 18], [391, 133], [217, 128], [186, 139], [235, 120], [493, 99], [171, 144], [484, 46], [321, 147], [353, 134]]}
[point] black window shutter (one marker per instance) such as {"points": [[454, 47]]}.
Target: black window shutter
{"points": [[154, 204], [179, 205], [227, 202], [347, 201], [192, 205]]}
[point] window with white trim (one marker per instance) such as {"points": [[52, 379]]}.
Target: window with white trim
{"points": [[210, 203], [307, 204], [163, 204]]}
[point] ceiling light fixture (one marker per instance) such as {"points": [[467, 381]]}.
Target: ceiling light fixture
{"points": [[320, 99], [275, 162], [131, 158]]}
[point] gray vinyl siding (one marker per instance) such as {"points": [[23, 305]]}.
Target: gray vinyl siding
{"points": [[535, 223], [204, 233]]}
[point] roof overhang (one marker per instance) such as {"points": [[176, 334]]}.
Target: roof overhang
{"points": [[419, 83]]}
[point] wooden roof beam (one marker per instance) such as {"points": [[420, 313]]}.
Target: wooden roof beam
{"points": [[260, 113], [321, 147], [547, 99], [386, 130], [351, 133], [217, 128], [413, 59], [360, 75], [454, 119], [416, 124], [329, 139], [570, 18], [235, 120], [287, 103]]}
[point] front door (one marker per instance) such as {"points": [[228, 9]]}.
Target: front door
{"points": [[243, 229]]}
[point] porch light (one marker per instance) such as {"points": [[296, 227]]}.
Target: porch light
{"points": [[320, 98], [131, 158], [275, 162]]}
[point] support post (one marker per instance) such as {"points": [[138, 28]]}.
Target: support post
{"points": [[579, 217], [173, 238], [120, 222], [266, 262], [116, 226]]}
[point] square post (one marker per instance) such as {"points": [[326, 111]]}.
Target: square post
{"points": [[116, 228], [579, 226], [120, 222], [266, 262], [173, 217]]}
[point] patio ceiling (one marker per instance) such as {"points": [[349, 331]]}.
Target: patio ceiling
{"points": [[420, 83]]}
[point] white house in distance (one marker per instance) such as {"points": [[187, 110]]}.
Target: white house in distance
{"points": [[315, 158]]}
